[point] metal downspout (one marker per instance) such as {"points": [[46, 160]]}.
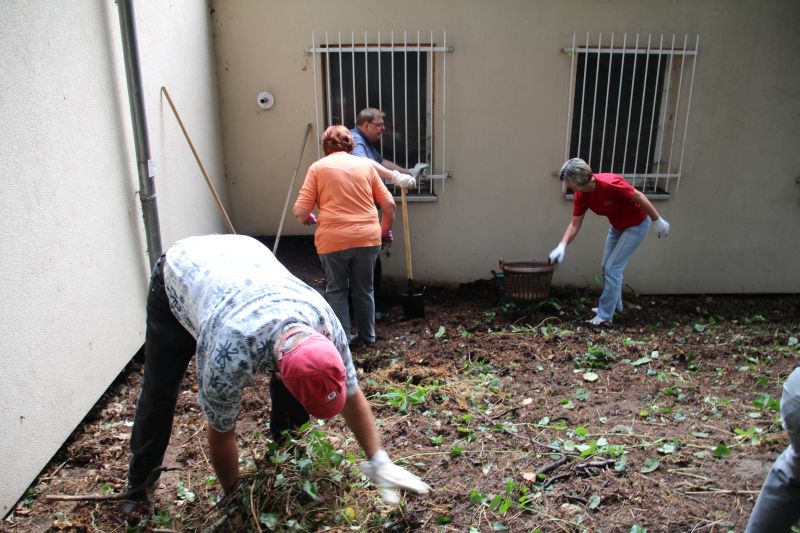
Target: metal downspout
{"points": [[147, 189]]}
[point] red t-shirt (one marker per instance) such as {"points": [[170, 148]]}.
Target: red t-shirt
{"points": [[612, 198]]}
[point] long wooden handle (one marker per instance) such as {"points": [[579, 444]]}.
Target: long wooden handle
{"points": [[406, 235], [200, 163], [289, 194]]}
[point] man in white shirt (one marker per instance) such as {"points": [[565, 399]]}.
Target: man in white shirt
{"points": [[228, 300]]}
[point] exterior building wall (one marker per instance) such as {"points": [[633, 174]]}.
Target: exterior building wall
{"points": [[74, 262], [735, 218]]}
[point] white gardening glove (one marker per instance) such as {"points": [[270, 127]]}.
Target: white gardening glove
{"points": [[662, 227], [390, 477], [419, 167], [557, 255], [403, 181]]}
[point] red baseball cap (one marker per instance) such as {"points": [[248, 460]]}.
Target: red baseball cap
{"points": [[314, 373]]}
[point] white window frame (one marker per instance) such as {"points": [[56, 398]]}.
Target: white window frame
{"points": [[661, 136], [431, 127]]}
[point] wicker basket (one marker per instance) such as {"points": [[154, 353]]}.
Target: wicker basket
{"points": [[527, 281]]}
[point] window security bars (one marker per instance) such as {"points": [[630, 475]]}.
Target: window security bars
{"points": [[399, 76], [629, 108]]}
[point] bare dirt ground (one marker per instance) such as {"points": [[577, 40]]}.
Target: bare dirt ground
{"points": [[521, 418]]}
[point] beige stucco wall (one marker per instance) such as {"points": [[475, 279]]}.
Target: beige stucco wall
{"points": [[735, 220], [73, 262]]}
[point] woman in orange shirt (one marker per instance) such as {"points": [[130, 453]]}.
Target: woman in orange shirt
{"points": [[346, 189]]}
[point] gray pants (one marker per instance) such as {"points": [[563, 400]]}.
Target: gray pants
{"points": [[350, 271], [778, 506]]}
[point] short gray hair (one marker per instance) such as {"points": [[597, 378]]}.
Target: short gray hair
{"points": [[576, 171], [368, 114]]}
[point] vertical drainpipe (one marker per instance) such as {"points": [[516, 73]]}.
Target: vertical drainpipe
{"points": [[146, 168]]}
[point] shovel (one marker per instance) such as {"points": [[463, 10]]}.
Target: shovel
{"points": [[413, 300]]}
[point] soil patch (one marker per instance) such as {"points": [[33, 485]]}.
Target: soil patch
{"points": [[519, 416]]}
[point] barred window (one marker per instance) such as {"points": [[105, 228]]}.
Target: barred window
{"points": [[629, 108], [397, 75]]}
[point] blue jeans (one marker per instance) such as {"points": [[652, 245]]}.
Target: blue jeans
{"points": [[620, 245], [168, 350], [351, 271], [778, 504]]}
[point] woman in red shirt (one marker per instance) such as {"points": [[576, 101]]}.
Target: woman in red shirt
{"points": [[630, 214]]}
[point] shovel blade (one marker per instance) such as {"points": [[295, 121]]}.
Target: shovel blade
{"points": [[413, 303]]}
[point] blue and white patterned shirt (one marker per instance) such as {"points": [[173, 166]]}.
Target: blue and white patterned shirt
{"points": [[236, 299]]}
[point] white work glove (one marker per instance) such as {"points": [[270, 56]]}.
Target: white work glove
{"points": [[662, 227], [390, 477], [419, 167], [403, 181], [557, 255]]}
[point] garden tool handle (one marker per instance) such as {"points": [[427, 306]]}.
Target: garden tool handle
{"points": [[199, 162], [406, 236], [291, 187]]}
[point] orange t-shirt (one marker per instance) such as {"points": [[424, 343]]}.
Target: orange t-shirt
{"points": [[346, 189]]}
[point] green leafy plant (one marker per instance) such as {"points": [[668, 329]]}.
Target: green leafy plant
{"points": [[184, 493], [600, 447], [523, 329], [581, 432], [503, 502], [467, 433], [690, 362], [162, 517], [669, 447], [304, 477], [721, 451], [596, 357], [270, 520], [514, 496], [753, 434], [479, 366], [550, 303], [582, 395], [629, 343], [30, 495], [406, 397], [650, 464], [477, 498], [767, 402], [716, 319]]}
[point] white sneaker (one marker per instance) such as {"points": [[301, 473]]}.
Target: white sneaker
{"points": [[619, 310], [597, 321]]}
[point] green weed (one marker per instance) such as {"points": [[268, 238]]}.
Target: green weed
{"points": [[403, 399], [596, 357]]}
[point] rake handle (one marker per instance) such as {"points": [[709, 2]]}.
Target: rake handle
{"points": [[199, 163], [291, 187], [406, 236]]}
